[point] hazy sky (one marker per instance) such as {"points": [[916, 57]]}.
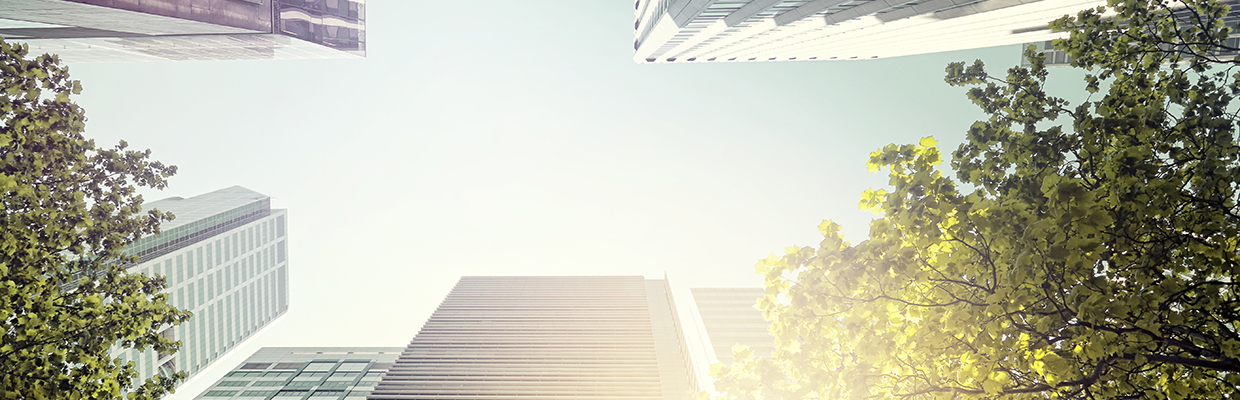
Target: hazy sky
{"points": [[518, 138]]}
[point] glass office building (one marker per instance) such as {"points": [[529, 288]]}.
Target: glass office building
{"points": [[164, 30], [783, 30], [730, 317], [225, 259], [327, 373], [546, 337]]}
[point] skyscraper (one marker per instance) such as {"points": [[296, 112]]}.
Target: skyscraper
{"points": [[162, 30], [1059, 58], [321, 373], [546, 337], [730, 318], [779, 30], [225, 259]]}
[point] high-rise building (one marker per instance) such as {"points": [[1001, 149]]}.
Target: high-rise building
{"points": [[320, 373], [780, 30], [225, 259], [730, 317], [546, 337], [1230, 47], [163, 30]]}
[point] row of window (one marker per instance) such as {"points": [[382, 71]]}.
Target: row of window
{"points": [[218, 252], [311, 375], [208, 225], [225, 319], [288, 393], [229, 319], [296, 385]]}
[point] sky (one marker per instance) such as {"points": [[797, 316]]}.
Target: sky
{"points": [[519, 138]]}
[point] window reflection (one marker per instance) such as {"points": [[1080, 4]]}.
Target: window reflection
{"points": [[339, 24]]}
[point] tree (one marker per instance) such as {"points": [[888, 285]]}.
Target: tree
{"points": [[1093, 258], [69, 209]]}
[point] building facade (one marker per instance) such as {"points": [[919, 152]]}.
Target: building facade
{"points": [[225, 259], [327, 373], [546, 337], [731, 317], [1059, 58], [782, 30], [164, 30]]}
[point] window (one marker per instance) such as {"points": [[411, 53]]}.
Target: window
{"points": [[352, 366], [277, 374], [321, 366], [239, 374], [344, 376], [310, 376], [292, 393], [334, 385], [234, 383], [288, 366], [257, 393], [220, 393], [269, 383], [300, 385], [328, 393]]}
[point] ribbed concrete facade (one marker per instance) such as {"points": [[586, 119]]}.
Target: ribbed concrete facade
{"points": [[731, 318], [782, 30], [546, 338]]}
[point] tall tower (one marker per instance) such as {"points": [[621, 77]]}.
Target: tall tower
{"points": [[780, 30], [546, 337], [730, 318], [225, 259]]}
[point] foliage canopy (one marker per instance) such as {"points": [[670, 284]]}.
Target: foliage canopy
{"points": [[1089, 259], [69, 208]]}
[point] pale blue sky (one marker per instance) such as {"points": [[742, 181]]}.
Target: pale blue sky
{"points": [[518, 138]]}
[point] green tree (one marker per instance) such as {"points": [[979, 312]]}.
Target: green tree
{"points": [[69, 208], [1086, 251]]}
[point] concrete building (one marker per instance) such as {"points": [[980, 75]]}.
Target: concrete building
{"points": [[327, 373], [781, 30], [549, 338], [730, 317], [225, 259], [163, 30]]}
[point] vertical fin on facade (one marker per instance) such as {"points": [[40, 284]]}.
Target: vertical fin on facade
{"points": [[748, 10]]}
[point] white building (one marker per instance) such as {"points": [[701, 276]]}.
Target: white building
{"points": [[546, 337], [780, 30], [731, 317], [225, 259]]}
